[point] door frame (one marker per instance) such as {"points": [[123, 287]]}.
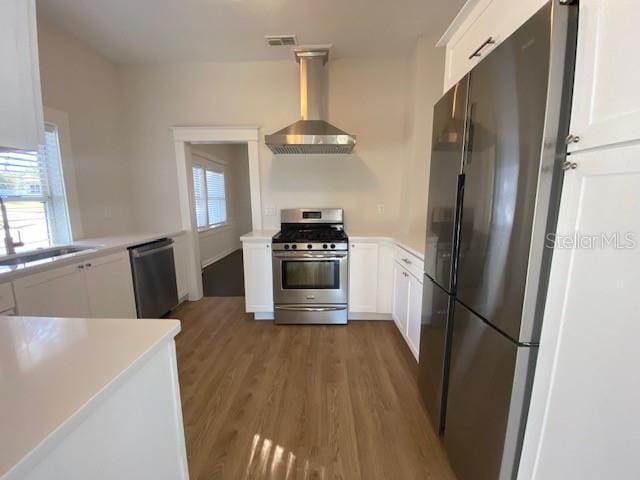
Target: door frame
{"points": [[182, 137]]}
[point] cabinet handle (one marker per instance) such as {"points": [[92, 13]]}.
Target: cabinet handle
{"points": [[476, 53], [408, 262], [571, 138], [87, 265], [569, 165], [80, 267]]}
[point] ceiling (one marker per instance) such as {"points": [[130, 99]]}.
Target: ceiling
{"points": [[145, 31]]}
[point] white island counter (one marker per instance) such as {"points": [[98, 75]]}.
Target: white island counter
{"points": [[89, 398]]}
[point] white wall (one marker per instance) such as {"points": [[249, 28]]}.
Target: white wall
{"points": [[365, 97], [425, 77], [218, 242], [121, 116], [77, 80]]}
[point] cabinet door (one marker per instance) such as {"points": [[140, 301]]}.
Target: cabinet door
{"points": [[363, 277], [385, 278], [400, 297], [589, 356], [414, 315], [21, 121], [487, 25], [258, 277], [606, 97], [110, 286], [61, 292]]}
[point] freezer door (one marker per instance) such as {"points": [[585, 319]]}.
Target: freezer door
{"points": [[449, 123], [507, 97], [434, 350], [488, 393]]}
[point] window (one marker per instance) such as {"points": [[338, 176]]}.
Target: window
{"points": [[32, 188], [209, 195]]}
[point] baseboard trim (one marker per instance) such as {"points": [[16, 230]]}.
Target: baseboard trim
{"points": [[384, 317], [218, 257]]}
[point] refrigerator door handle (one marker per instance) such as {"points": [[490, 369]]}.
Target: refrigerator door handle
{"points": [[468, 147]]}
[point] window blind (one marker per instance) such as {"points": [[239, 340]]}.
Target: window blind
{"points": [[209, 193], [32, 188], [199, 194], [216, 199]]}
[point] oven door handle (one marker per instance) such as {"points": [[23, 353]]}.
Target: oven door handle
{"points": [[310, 256], [304, 308]]}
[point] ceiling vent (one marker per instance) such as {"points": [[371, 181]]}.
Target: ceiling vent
{"points": [[281, 40]]}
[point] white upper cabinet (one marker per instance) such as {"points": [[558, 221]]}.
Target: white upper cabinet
{"points": [[363, 277], [480, 26], [21, 114], [606, 97], [258, 277]]}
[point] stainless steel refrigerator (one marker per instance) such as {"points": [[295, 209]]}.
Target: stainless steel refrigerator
{"points": [[496, 174]]}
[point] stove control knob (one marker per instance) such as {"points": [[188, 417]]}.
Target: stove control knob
{"points": [[333, 245], [309, 246], [324, 245], [294, 246], [286, 247]]}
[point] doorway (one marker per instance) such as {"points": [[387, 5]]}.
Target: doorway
{"points": [[240, 143], [222, 199]]}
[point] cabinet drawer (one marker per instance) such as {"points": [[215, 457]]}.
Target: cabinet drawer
{"points": [[481, 25], [490, 19], [409, 262], [6, 297]]}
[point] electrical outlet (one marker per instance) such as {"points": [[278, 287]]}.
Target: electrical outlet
{"points": [[270, 210], [380, 209]]}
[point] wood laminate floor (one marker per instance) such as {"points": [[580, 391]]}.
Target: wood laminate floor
{"points": [[262, 401], [224, 278]]}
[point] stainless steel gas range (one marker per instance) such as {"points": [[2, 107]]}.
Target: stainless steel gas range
{"points": [[311, 267]]}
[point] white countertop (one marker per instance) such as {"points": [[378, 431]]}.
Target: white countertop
{"points": [[52, 370], [413, 245], [103, 246], [258, 235]]}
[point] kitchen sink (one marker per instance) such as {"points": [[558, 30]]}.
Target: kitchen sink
{"points": [[34, 256]]}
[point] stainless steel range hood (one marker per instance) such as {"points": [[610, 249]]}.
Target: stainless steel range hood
{"points": [[312, 134]]}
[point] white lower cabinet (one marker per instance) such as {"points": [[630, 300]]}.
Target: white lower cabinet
{"points": [[588, 359], [363, 277], [407, 306], [110, 286], [99, 287], [61, 292], [400, 297], [258, 276]]}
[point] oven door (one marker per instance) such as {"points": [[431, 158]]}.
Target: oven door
{"points": [[310, 277]]}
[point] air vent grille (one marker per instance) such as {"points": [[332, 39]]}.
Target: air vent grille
{"points": [[281, 40]]}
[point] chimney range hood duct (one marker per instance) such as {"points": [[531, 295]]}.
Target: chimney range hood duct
{"points": [[312, 134]]}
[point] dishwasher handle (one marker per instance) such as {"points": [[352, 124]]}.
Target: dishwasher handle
{"points": [[151, 248]]}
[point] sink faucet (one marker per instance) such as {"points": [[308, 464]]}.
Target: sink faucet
{"points": [[9, 244]]}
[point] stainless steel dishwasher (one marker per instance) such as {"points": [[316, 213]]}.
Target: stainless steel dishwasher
{"points": [[154, 278]]}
